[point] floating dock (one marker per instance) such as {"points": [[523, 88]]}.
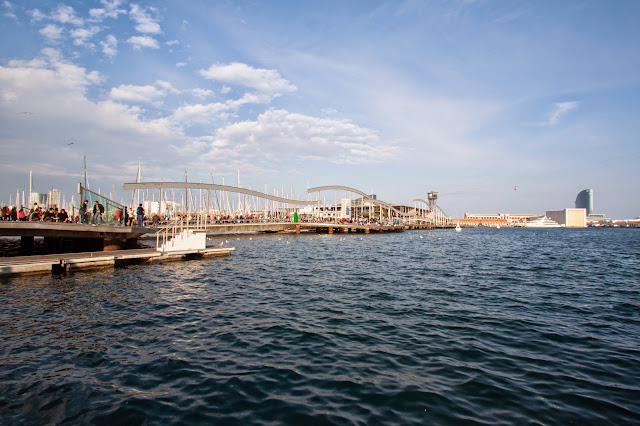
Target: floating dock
{"points": [[65, 262]]}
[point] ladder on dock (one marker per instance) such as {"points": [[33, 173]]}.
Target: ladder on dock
{"points": [[181, 235]]}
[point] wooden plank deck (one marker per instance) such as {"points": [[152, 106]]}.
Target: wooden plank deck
{"points": [[64, 262]]}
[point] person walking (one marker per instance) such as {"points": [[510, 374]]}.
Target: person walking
{"points": [[98, 210], [140, 216], [83, 211]]}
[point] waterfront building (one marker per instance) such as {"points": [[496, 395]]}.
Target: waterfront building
{"points": [[345, 208], [598, 220], [570, 218], [37, 197], [584, 200], [155, 207], [334, 212], [495, 219], [53, 198]]}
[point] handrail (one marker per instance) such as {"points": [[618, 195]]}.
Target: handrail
{"points": [[175, 227]]}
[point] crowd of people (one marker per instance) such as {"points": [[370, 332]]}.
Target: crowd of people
{"points": [[37, 213], [253, 218], [87, 214], [95, 214]]}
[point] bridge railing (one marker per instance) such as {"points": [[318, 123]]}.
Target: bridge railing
{"points": [[113, 212]]}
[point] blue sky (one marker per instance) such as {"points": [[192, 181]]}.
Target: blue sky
{"points": [[468, 98]]}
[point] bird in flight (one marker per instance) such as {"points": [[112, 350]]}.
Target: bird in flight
{"points": [[24, 112]]}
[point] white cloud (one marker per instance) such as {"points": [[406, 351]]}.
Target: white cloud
{"points": [[131, 93], [139, 42], [55, 92], [278, 134], [249, 98], [181, 64], [145, 23], [225, 90], [98, 14], [202, 93], [63, 15], [110, 46], [167, 87], [263, 80], [172, 42], [560, 109], [210, 114], [66, 15], [82, 35], [52, 32], [9, 13], [198, 114], [142, 94], [110, 10], [36, 15]]}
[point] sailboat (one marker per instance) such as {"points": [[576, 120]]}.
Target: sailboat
{"points": [[458, 229]]}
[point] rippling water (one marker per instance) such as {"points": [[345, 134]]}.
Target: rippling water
{"points": [[487, 325]]}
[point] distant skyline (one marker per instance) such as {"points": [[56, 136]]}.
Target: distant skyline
{"points": [[472, 99]]}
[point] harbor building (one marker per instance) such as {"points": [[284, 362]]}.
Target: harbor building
{"points": [[570, 218], [495, 219], [584, 200], [37, 197], [53, 198]]}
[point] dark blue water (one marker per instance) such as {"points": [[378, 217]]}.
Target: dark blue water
{"points": [[493, 326]]}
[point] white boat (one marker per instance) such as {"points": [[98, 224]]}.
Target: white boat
{"points": [[458, 229], [541, 222]]}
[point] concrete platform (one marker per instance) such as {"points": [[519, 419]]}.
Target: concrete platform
{"points": [[270, 227], [65, 262], [68, 230]]}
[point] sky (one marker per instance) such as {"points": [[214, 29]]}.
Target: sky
{"points": [[499, 106]]}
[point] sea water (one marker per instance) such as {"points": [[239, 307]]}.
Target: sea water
{"points": [[487, 325]]}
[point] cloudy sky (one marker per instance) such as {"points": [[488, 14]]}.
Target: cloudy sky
{"points": [[468, 98]]}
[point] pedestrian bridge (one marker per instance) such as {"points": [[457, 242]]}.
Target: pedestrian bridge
{"points": [[274, 204]]}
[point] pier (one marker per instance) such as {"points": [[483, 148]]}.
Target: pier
{"points": [[61, 236], [213, 200], [97, 245], [66, 262], [319, 227]]}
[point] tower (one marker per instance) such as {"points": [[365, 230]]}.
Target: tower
{"points": [[584, 200], [433, 200]]}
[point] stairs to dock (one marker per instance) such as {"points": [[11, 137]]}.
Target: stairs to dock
{"points": [[187, 239]]}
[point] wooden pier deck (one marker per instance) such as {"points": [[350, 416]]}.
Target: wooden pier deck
{"points": [[65, 262], [325, 227]]}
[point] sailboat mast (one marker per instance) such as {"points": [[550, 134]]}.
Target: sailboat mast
{"points": [[86, 179]]}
